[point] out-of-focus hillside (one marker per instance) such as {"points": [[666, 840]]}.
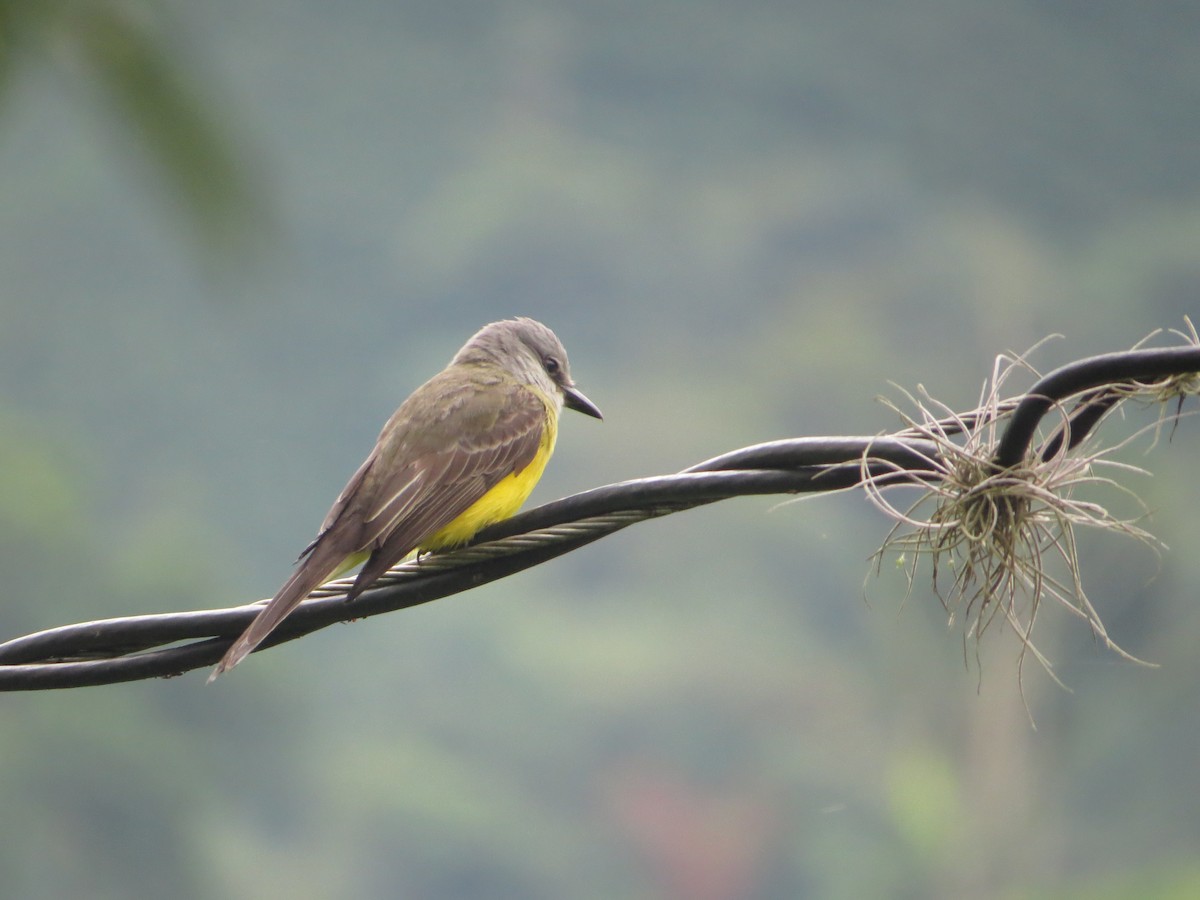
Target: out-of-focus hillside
{"points": [[744, 220]]}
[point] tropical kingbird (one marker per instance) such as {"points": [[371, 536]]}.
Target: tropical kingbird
{"points": [[463, 451]]}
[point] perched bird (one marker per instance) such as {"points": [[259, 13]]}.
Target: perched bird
{"points": [[462, 452]]}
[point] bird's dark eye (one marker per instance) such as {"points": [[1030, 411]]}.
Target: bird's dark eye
{"points": [[551, 364]]}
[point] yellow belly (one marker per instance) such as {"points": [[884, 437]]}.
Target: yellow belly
{"points": [[498, 504]]}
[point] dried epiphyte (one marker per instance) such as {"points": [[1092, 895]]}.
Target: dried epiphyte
{"points": [[1001, 540]]}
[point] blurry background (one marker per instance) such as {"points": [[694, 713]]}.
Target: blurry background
{"points": [[233, 236]]}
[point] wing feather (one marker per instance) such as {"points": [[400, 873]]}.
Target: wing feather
{"points": [[466, 471], [450, 443]]}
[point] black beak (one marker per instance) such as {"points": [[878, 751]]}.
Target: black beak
{"points": [[573, 398]]}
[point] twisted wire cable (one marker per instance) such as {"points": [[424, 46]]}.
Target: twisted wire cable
{"points": [[161, 645]]}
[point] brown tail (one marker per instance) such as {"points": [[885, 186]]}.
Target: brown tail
{"points": [[310, 574]]}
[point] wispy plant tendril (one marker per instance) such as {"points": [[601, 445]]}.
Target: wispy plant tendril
{"points": [[1001, 539]]}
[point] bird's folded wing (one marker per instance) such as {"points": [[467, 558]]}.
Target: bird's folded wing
{"points": [[437, 487]]}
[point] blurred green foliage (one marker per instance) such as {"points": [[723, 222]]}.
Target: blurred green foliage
{"points": [[743, 219], [127, 59]]}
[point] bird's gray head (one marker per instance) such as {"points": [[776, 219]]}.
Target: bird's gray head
{"points": [[533, 353]]}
